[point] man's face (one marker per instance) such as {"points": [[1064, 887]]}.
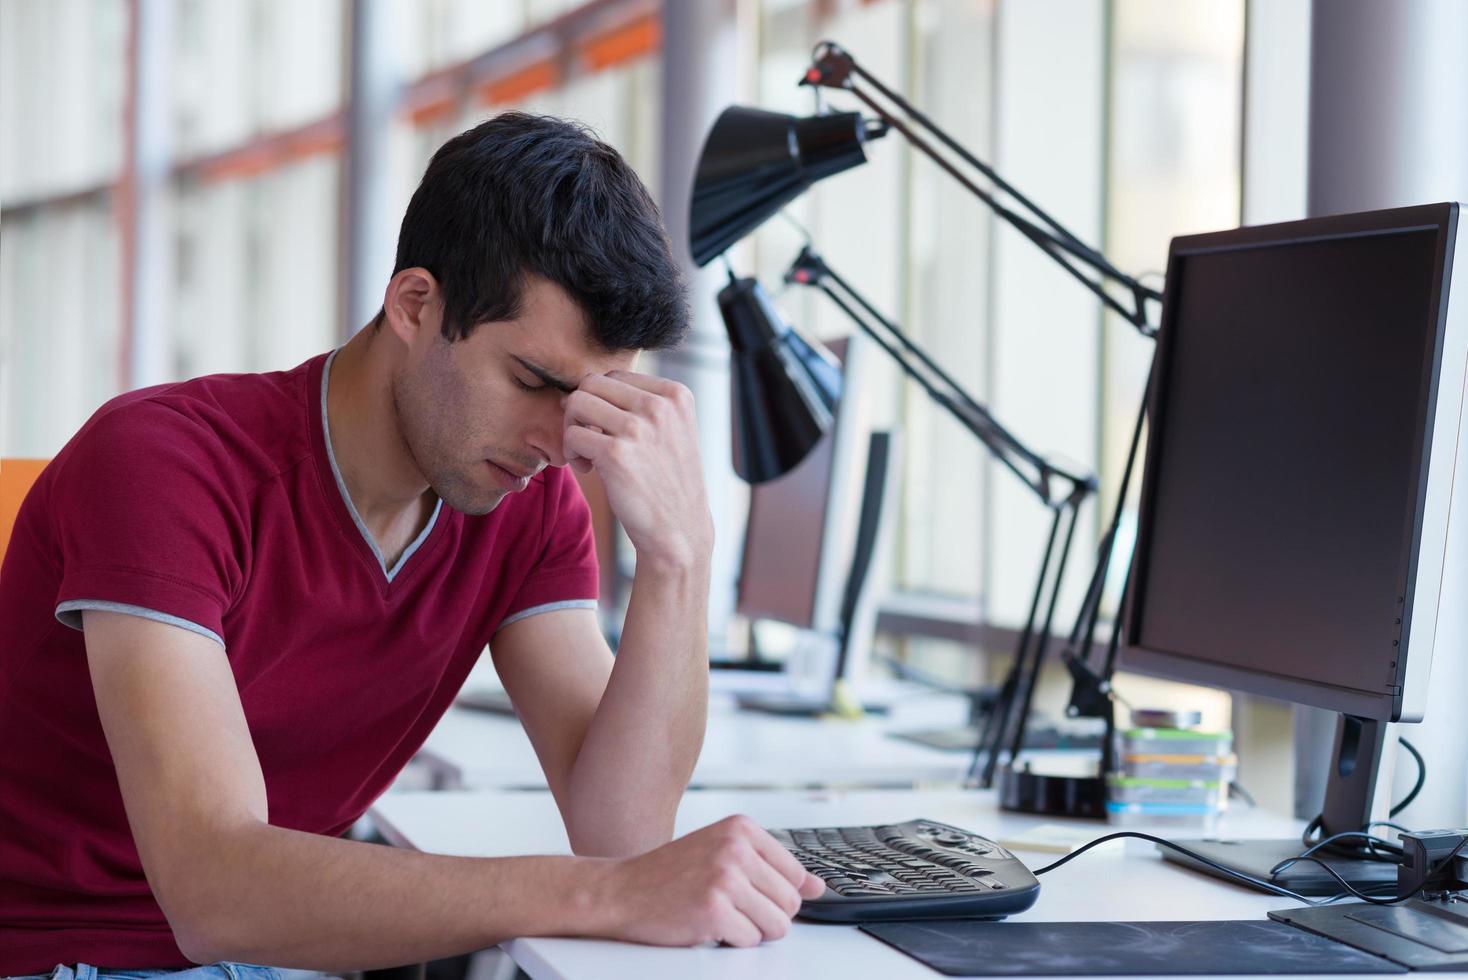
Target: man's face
{"points": [[481, 416]]}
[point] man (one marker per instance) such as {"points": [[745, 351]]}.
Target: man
{"points": [[234, 607]]}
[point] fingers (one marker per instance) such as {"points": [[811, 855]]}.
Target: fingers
{"points": [[583, 447], [735, 928], [769, 920], [627, 389], [773, 852], [773, 884], [585, 407], [614, 389], [775, 880]]}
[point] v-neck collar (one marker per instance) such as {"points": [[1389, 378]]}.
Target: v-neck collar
{"points": [[341, 487]]}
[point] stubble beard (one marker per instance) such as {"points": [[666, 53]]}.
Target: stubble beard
{"points": [[416, 419]]}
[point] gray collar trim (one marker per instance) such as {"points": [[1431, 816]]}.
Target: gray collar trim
{"points": [[347, 497]]}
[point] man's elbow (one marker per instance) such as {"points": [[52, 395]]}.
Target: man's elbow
{"points": [[217, 929], [196, 891], [201, 934], [196, 946]]}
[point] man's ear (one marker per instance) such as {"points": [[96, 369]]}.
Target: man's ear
{"points": [[413, 304]]}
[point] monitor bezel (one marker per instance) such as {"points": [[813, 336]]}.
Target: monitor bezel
{"points": [[1384, 704]]}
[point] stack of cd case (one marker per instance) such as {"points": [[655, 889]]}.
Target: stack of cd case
{"points": [[1171, 777]]}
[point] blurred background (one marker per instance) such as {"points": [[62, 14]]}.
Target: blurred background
{"points": [[198, 186]]}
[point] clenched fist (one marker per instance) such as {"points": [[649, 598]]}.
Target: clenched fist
{"points": [[730, 882]]}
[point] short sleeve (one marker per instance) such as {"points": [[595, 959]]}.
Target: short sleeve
{"points": [[565, 574], [147, 522]]}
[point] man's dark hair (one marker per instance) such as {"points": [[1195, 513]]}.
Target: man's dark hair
{"points": [[522, 194]]}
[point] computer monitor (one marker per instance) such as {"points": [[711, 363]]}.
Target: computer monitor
{"points": [[808, 532], [1305, 426], [791, 561]]}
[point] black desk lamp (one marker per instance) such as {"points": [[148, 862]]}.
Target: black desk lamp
{"points": [[753, 163], [785, 386]]}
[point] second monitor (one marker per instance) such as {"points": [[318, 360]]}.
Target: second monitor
{"points": [[1301, 535]]}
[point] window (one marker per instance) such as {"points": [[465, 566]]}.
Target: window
{"points": [[62, 64], [1177, 71]]}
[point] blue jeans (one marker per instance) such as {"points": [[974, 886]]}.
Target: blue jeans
{"points": [[215, 971]]}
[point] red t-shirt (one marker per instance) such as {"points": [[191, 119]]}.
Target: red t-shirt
{"points": [[215, 504]]}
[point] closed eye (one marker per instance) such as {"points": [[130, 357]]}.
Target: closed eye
{"points": [[527, 387]]}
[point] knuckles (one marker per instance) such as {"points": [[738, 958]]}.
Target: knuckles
{"points": [[730, 851], [709, 909], [617, 453], [575, 402], [726, 881], [744, 824]]}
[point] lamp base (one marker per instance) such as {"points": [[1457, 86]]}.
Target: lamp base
{"points": [[1023, 790]]}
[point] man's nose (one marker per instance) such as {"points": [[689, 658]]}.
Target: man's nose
{"points": [[547, 437]]}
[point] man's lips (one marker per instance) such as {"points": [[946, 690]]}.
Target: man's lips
{"points": [[512, 480]]}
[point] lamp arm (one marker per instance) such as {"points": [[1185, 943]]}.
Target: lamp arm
{"points": [[1078, 651], [834, 68], [1019, 710], [1030, 468], [1006, 724], [1034, 481], [808, 260]]}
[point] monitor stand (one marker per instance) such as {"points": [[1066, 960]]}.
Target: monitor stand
{"points": [[1348, 796]]}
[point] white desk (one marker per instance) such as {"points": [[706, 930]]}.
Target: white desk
{"points": [[742, 749], [1106, 884]]}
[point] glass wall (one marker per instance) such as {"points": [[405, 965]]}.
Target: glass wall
{"points": [[1177, 69], [949, 254], [256, 265], [62, 67], [62, 64], [251, 67], [256, 270], [60, 317], [1122, 118]]}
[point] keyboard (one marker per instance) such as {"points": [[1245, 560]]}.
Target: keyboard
{"points": [[920, 869]]}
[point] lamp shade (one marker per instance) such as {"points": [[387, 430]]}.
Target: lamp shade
{"points": [[785, 387], [755, 162]]}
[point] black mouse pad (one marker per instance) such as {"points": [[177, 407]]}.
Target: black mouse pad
{"points": [[973, 948]]}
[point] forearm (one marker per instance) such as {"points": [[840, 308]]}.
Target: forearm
{"points": [[644, 740], [266, 894]]}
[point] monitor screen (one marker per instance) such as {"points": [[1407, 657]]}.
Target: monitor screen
{"points": [[784, 542], [1290, 422]]}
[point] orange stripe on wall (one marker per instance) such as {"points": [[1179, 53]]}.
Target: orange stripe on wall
{"points": [[521, 84], [273, 152], [640, 37], [426, 113]]}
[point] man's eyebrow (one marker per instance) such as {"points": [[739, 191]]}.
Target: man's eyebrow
{"points": [[547, 377]]}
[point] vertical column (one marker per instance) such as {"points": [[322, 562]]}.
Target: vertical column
{"points": [[1388, 109], [1275, 153], [369, 235], [700, 69], [1388, 128], [148, 166], [1276, 110]]}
